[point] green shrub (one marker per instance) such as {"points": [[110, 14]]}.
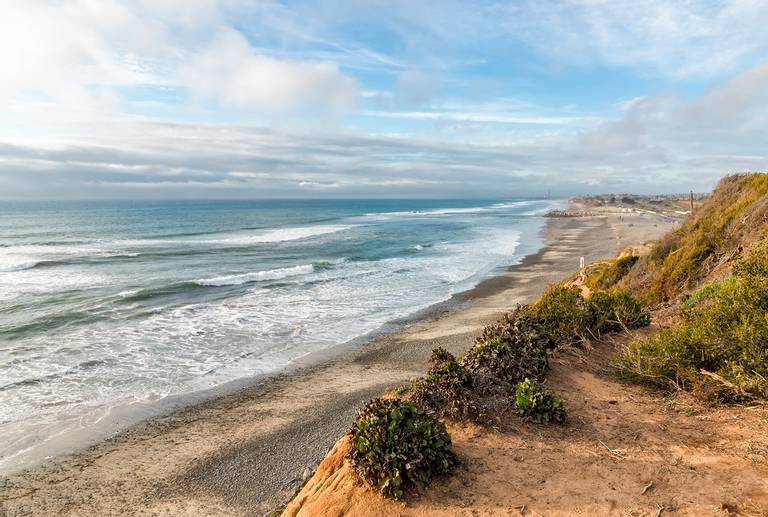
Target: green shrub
{"points": [[563, 315], [755, 262], [706, 293], [447, 390], [612, 311], [511, 349], [397, 446], [720, 349], [535, 403], [444, 368], [608, 276], [665, 246]]}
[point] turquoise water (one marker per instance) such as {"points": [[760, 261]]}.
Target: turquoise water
{"points": [[104, 305]]}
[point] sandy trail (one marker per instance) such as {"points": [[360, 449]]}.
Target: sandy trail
{"points": [[243, 453]]}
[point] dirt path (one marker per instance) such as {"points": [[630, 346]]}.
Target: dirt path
{"points": [[625, 452]]}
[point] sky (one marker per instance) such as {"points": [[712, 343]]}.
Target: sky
{"points": [[158, 99]]}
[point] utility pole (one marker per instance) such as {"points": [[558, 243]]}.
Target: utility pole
{"points": [[691, 199]]}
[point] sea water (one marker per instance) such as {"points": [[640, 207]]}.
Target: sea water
{"points": [[106, 305]]}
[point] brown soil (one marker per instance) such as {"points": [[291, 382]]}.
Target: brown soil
{"points": [[625, 451]]}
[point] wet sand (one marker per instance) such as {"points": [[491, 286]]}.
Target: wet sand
{"points": [[246, 452]]}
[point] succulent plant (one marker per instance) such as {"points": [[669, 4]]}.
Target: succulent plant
{"points": [[397, 446], [536, 403], [512, 349], [447, 390]]}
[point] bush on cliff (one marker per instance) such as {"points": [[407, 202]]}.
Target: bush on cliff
{"points": [[615, 310], [397, 446], [516, 347], [511, 349], [563, 315], [447, 390], [754, 262], [609, 275], [720, 349], [534, 402], [735, 213]]}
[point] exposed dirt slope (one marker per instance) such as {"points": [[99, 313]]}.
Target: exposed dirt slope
{"points": [[624, 452]]}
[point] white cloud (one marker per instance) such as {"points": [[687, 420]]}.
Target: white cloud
{"points": [[681, 143], [416, 87], [670, 138], [61, 50], [488, 117], [318, 185], [732, 115], [81, 53], [231, 72], [679, 38], [150, 159], [71, 70]]}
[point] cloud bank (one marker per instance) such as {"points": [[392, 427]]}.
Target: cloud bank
{"points": [[323, 98]]}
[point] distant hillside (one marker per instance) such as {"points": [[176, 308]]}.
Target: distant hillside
{"points": [[712, 274], [705, 245]]}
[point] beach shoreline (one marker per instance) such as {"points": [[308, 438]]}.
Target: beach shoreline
{"points": [[112, 420], [248, 450]]}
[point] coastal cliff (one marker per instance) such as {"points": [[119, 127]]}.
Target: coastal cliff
{"points": [[671, 442]]}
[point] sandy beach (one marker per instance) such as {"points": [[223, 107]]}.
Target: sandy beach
{"points": [[246, 452]]}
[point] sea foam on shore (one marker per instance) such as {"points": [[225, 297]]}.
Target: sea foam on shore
{"points": [[108, 306]]}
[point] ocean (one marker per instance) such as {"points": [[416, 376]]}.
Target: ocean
{"points": [[108, 306]]}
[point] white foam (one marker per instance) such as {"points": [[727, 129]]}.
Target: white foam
{"points": [[181, 348], [425, 213], [243, 238], [515, 204], [257, 276], [281, 235], [23, 258], [34, 281], [446, 211], [452, 211], [19, 266]]}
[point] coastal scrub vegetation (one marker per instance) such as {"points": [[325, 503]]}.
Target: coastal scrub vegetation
{"points": [[447, 390], [611, 273], [534, 402], [511, 349], [516, 348], [720, 348], [566, 318], [397, 446], [615, 310], [400, 444], [754, 263], [563, 315]]}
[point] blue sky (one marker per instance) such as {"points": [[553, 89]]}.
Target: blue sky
{"points": [[327, 98]]}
